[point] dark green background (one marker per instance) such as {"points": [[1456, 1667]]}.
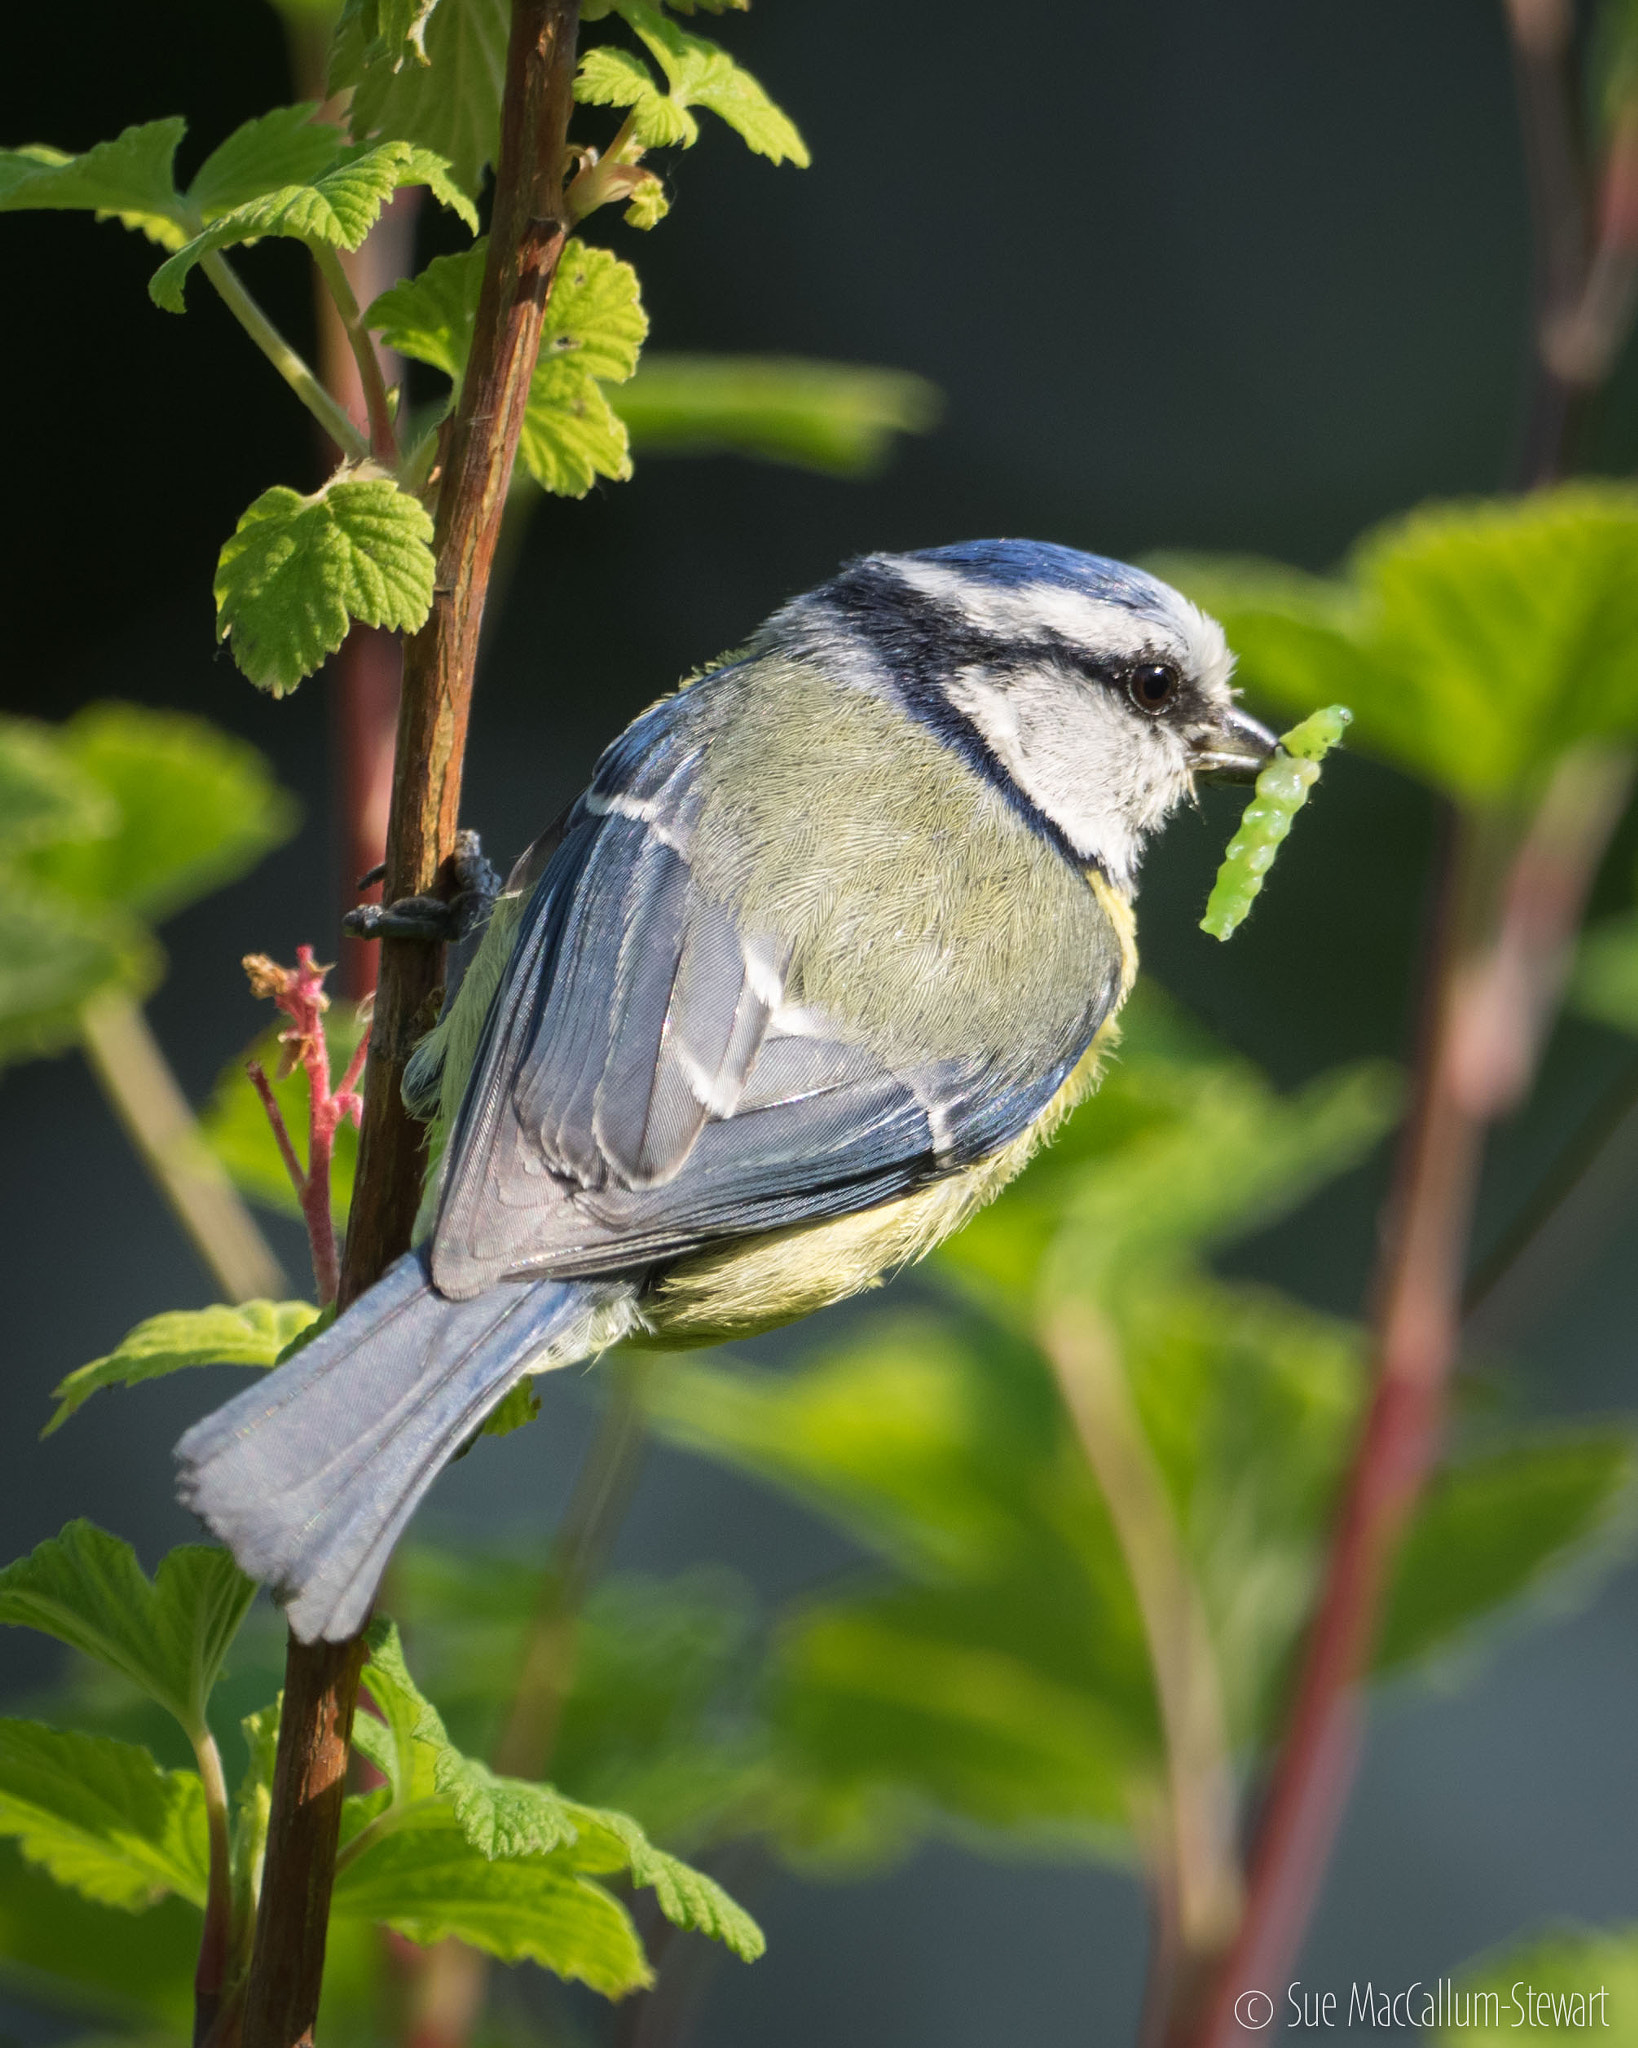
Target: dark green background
{"points": [[1189, 275]]}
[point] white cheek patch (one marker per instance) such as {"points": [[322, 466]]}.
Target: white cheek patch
{"points": [[1104, 777]]}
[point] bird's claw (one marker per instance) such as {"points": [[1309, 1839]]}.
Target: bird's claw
{"points": [[433, 920]]}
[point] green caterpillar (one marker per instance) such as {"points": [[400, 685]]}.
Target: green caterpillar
{"points": [[1282, 790]]}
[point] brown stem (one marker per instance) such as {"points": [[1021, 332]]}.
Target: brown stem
{"points": [[528, 230], [309, 1784]]}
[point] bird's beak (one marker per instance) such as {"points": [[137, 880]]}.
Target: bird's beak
{"points": [[1236, 749]]}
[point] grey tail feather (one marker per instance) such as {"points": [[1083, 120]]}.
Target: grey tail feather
{"points": [[310, 1475]]}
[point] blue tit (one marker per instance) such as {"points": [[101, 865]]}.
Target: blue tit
{"points": [[830, 945]]}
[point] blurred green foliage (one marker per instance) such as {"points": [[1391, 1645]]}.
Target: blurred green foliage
{"points": [[1566, 1985], [1475, 642], [108, 824]]}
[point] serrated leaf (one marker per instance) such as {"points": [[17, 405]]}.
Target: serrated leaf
{"points": [[168, 1635], [429, 1883], [250, 1333], [298, 570], [449, 104], [686, 1896], [285, 147], [701, 73], [430, 316], [610, 77], [335, 210], [507, 1816], [408, 1738], [44, 793], [507, 1819], [594, 318], [1494, 1526], [97, 1960], [592, 333], [235, 1125], [55, 956], [571, 434], [129, 178], [187, 809], [833, 417], [101, 1816]]}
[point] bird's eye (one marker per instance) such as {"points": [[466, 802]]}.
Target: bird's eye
{"points": [[1152, 686]]}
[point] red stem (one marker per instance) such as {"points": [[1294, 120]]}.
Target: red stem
{"points": [[275, 1116]]}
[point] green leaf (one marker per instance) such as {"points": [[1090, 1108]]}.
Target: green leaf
{"points": [[1475, 642], [430, 316], [660, 1719], [701, 73], [610, 77], [593, 330], [519, 1408], [830, 417], [298, 570], [1502, 1524], [44, 793], [60, 1949], [594, 318], [510, 1818], [407, 1739], [285, 147], [251, 1333], [571, 434], [168, 1635], [1535, 1983], [450, 102], [55, 955], [129, 178], [235, 1125], [429, 1883], [687, 1897], [101, 1815], [335, 210], [188, 808], [507, 1816], [253, 1800]]}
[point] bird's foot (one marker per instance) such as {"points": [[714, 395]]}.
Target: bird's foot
{"points": [[434, 920]]}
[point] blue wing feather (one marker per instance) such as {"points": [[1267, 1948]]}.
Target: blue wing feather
{"points": [[633, 1099]]}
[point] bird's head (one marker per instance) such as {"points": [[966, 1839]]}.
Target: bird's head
{"points": [[1090, 693]]}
